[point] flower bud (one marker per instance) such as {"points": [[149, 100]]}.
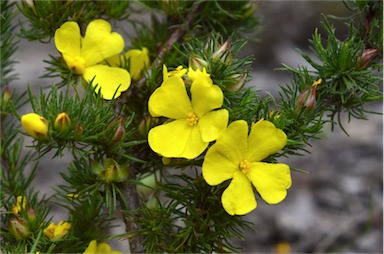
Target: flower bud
{"points": [[6, 95], [197, 63], [221, 53], [31, 216], [153, 203], [308, 98], [147, 185], [62, 122], [146, 124], [35, 125], [366, 58], [19, 228], [110, 171], [119, 130], [238, 82], [78, 132]]}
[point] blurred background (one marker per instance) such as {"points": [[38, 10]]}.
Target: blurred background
{"points": [[338, 205]]}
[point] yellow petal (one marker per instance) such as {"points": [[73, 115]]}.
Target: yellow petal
{"points": [[100, 43], [198, 74], [108, 80], [239, 198], [270, 180], [232, 143], [176, 139], [104, 248], [212, 124], [92, 248], [217, 168], [264, 139], [138, 62], [170, 100], [68, 39], [205, 97]]}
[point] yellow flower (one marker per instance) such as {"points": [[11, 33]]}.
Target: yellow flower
{"points": [[57, 232], [196, 121], [178, 72], [102, 248], [138, 62], [35, 125], [83, 55], [237, 156], [21, 203]]}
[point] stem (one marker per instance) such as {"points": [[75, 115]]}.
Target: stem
{"points": [[129, 189], [132, 200]]}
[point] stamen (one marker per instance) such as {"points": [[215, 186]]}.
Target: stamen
{"points": [[245, 166], [192, 119]]}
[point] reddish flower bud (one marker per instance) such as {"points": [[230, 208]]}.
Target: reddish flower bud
{"points": [[238, 82], [19, 228], [307, 98], [146, 124], [78, 132], [119, 130], [366, 58], [6, 96], [197, 63], [221, 51]]}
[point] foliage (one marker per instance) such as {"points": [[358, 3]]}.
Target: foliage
{"points": [[165, 203]]}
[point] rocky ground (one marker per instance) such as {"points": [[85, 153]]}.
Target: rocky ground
{"points": [[338, 205]]}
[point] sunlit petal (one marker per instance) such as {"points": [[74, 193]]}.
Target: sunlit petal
{"points": [[205, 97], [270, 180], [232, 142], [138, 62], [100, 43], [213, 124], [68, 39], [176, 139], [170, 100], [108, 80], [239, 198], [217, 167], [264, 139]]}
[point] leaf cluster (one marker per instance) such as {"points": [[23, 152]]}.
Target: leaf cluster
{"points": [[46, 16], [189, 218]]}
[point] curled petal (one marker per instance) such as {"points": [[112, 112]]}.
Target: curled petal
{"points": [[108, 80], [217, 168], [212, 124], [68, 39], [239, 198], [138, 61], [205, 97], [176, 139], [270, 180], [170, 100], [264, 139], [100, 43]]}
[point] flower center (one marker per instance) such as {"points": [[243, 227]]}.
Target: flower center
{"points": [[192, 119], [76, 64], [245, 166]]}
